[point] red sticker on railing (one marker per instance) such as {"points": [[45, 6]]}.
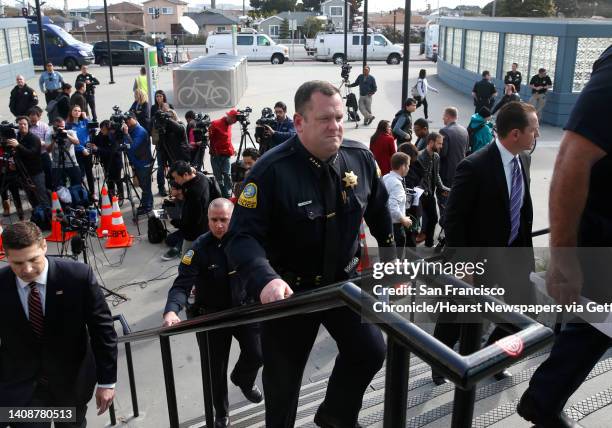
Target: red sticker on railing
{"points": [[511, 345]]}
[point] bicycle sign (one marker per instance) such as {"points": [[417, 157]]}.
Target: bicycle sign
{"points": [[206, 92]]}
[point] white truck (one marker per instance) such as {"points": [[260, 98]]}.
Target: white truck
{"points": [[330, 46], [255, 46], [432, 36]]}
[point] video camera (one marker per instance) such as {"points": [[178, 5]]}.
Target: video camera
{"points": [[345, 71], [59, 135], [268, 118], [243, 116], [200, 129], [161, 119], [7, 131], [80, 220], [117, 119]]}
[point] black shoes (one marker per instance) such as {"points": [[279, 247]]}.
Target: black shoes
{"points": [[325, 421], [526, 409], [252, 394], [504, 374], [223, 422]]}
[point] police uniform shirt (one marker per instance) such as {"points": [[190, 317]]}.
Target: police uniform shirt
{"points": [[515, 78], [540, 81], [484, 89], [278, 224], [205, 266]]}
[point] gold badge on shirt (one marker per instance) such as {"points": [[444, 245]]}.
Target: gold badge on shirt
{"points": [[350, 180]]}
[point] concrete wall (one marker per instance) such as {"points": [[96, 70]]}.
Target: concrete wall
{"points": [[561, 98], [15, 66]]}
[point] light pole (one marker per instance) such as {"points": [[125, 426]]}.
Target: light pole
{"points": [[406, 62], [41, 35], [108, 44], [346, 21], [365, 33]]}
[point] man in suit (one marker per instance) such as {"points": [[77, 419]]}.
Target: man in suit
{"points": [[489, 215], [56, 331]]}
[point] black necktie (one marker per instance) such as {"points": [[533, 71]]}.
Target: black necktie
{"points": [[329, 187], [35, 311]]}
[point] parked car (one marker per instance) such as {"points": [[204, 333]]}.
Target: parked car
{"points": [[122, 51], [330, 46], [255, 46]]}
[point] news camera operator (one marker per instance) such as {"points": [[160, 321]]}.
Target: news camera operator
{"points": [[60, 143], [141, 159], [9, 177], [278, 130], [196, 198], [221, 149], [106, 146], [197, 135], [172, 135]]}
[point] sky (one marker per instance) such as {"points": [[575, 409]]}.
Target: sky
{"points": [[373, 5]]}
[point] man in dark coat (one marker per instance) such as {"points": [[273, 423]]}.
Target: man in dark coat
{"points": [[23, 98]]}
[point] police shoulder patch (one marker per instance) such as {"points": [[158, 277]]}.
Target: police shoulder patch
{"points": [[186, 260], [248, 197]]}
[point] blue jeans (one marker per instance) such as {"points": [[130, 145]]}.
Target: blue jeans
{"points": [[221, 171], [144, 179]]}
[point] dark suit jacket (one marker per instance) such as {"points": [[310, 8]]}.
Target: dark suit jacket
{"points": [[478, 217], [79, 347], [456, 142]]}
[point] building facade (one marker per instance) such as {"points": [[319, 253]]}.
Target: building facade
{"points": [[15, 53], [334, 10], [124, 12], [566, 48], [170, 13]]}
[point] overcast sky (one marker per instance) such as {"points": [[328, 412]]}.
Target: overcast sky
{"points": [[373, 5]]}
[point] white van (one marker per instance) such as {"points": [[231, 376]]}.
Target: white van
{"points": [[432, 33], [255, 46], [330, 46]]}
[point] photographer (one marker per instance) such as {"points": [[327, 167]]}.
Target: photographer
{"points": [[27, 151], [78, 124], [196, 198], [9, 177], [281, 129], [173, 207], [249, 157], [197, 147], [160, 103], [221, 149], [106, 146], [172, 135], [140, 157], [90, 88], [41, 129], [60, 143]]}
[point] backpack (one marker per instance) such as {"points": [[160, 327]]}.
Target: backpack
{"points": [[156, 230], [472, 134], [414, 91], [352, 107]]}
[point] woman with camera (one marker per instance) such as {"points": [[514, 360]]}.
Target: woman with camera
{"points": [[79, 124]]}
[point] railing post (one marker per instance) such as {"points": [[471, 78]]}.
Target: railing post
{"points": [[463, 404], [164, 343], [130, 365], [206, 378], [396, 384], [111, 413]]}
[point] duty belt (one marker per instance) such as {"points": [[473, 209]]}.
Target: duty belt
{"points": [[302, 280]]}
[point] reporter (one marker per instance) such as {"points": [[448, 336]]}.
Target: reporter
{"points": [[140, 107], [106, 146], [141, 159], [77, 122]]}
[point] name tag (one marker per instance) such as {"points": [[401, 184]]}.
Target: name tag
{"points": [[303, 204]]}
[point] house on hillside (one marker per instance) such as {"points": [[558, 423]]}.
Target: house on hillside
{"points": [[210, 20], [118, 30], [170, 13]]}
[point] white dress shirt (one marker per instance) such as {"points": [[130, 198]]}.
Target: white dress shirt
{"points": [[397, 195], [507, 158]]}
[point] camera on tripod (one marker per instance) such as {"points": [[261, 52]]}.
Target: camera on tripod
{"points": [[7, 131], [117, 119], [200, 129], [243, 116], [345, 71], [161, 119], [80, 220]]}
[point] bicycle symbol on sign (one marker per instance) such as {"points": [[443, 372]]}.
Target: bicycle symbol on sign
{"points": [[205, 92]]}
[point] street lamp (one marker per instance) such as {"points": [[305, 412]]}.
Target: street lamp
{"points": [[406, 62]]}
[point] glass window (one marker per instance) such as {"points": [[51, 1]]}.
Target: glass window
{"points": [[263, 41], [356, 40], [448, 52], [336, 11], [274, 30], [457, 47], [135, 46], [516, 49], [472, 47], [3, 49], [544, 55], [245, 40], [166, 11], [13, 41], [442, 41], [151, 10], [220, 29], [488, 52], [379, 41], [589, 50], [51, 39], [25, 45]]}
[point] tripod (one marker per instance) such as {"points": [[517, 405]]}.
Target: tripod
{"points": [[351, 102], [245, 134]]}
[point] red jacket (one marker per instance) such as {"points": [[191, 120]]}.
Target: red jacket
{"points": [[220, 138], [383, 148]]}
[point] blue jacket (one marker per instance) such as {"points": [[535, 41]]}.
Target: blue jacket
{"points": [[140, 147], [283, 131], [50, 81], [82, 132], [483, 135], [367, 85]]}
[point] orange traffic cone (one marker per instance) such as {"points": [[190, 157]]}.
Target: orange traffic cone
{"points": [[56, 227], [1, 247], [106, 219], [364, 261], [118, 235]]}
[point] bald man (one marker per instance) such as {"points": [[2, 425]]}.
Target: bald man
{"points": [[23, 98]]}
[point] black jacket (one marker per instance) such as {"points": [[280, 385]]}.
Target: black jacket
{"points": [[89, 88], [79, 346], [142, 113], [456, 142], [109, 153], [78, 99], [174, 142], [63, 105], [22, 100], [28, 152], [206, 267], [194, 217]]}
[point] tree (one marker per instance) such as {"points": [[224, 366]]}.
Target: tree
{"points": [[312, 26], [312, 5], [569, 8], [270, 5], [284, 29], [524, 8], [395, 36]]}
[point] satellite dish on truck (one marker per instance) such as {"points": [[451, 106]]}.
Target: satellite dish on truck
{"points": [[189, 25]]}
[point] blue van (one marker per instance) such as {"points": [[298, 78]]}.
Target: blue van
{"points": [[62, 48]]}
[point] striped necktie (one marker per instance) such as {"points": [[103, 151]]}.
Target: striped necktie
{"points": [[515, 200], [35, 311]]}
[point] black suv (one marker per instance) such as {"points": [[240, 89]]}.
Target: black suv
{"points": [[123, 52]]}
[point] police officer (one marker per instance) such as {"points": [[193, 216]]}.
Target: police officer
{"points": [[23, 98], [205, 267], [484, 92], [514, 77], [283, 128], [296, 228], [90, 89]]}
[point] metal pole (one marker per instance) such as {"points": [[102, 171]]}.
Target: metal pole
{"points": [[111, 413], [394, 25], [396, 385], [164, 343], [365, 33], [463, 403], [206, 378], [494, 7], [108, 44], [130, 364], [41, 35], [346, 21], [406, 63]]}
